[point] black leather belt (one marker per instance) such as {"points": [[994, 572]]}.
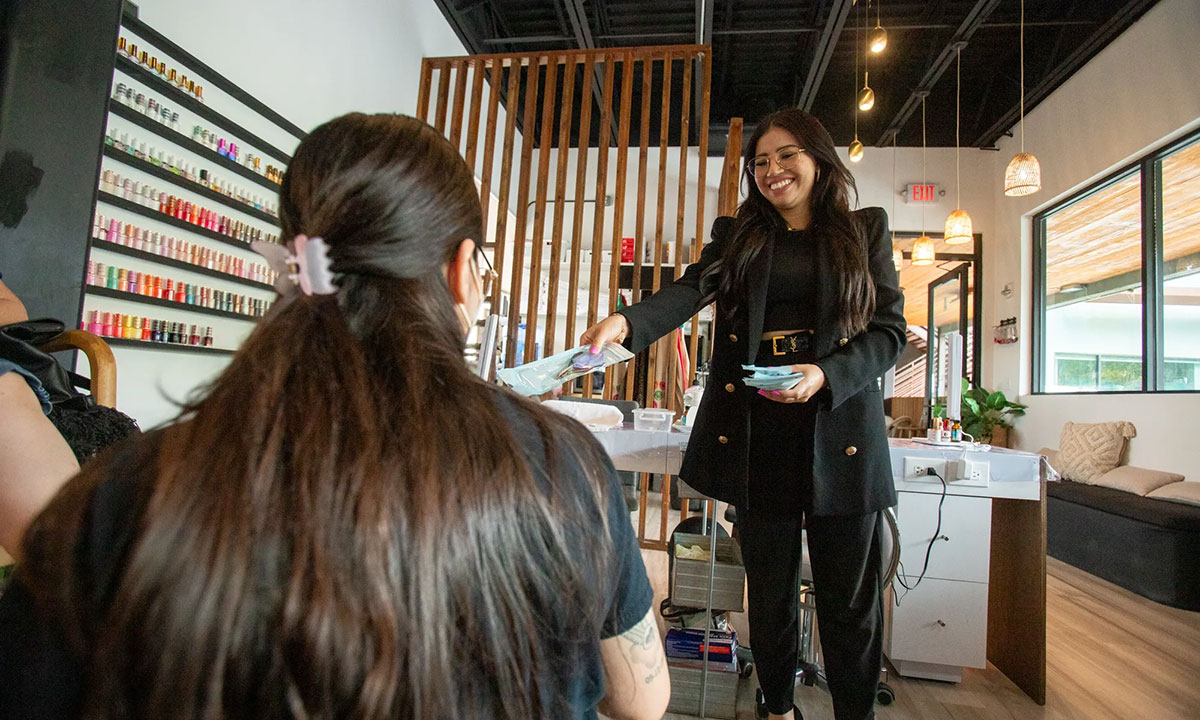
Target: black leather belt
{"points": [[786, 344]]}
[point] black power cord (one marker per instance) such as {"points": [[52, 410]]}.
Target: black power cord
{"points": [[937, 535]]}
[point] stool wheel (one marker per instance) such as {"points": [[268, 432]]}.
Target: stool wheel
{"points": [[884, 695]]}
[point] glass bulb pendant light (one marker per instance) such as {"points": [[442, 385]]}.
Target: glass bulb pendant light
{"points": [[866, 96], [878, 35], [958, 226], [1023, 176], [856, 150], [923, 251]]}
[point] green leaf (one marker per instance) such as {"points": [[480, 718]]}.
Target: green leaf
{"points": [[970, 402], [997, 400]]}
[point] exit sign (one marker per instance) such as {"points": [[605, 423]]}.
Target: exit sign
{"points": [[922, 193]]}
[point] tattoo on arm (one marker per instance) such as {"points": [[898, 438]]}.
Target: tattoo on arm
{"points": [[645, 653]]}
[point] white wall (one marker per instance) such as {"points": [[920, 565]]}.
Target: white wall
{"points": [[1132, 97], [308, 60]]}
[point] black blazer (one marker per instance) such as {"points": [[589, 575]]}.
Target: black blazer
{"points": [[852, 470]]}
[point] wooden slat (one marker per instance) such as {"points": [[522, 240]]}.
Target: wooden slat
{"points": [[560, 206], [619, 208], [581, 164], [460, 96], [510, 123], [601, 189], [539, 214], [489, 151], [518, 259], [476, 110], [423, 90], [685, 118], [727, 192], [443, 98], [639, 227], [701, 179]]}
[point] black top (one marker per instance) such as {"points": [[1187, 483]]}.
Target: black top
{"points": [[792, 286], [41, 678]]}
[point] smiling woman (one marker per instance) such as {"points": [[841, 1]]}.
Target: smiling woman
{"points": [[801, 282]]}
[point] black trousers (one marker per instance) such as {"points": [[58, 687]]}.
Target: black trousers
{"points": [[844, 553]]}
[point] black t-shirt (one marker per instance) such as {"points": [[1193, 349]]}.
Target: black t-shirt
{"points": [[41, 678], [792, 284]]}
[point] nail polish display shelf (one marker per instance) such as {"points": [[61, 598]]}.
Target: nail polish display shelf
{"points": [[160, 302], [180, 181], [181, 264], [171, 347], [187, 143], [157, 84], [154, 214]]}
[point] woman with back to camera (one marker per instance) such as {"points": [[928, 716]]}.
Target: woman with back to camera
{"points": [[799, 279], [350, 524]]}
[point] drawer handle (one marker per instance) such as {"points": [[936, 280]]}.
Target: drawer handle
{"points": [[941, 624]]}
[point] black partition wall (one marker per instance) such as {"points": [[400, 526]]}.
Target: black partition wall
{"points": [[55, 72]]}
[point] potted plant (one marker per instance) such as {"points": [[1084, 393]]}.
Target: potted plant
{"points": [[986, 415]]}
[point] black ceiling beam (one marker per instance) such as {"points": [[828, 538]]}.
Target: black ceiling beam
{"points": [[704, 36], [582, 29], [459, 24], [838, 13], [1114, 26], [973, 21]]}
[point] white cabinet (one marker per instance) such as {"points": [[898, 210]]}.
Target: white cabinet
{"points": [[940, 626]]}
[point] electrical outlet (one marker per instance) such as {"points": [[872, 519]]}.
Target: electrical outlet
{"points": [[916, 469], [978, 473]]}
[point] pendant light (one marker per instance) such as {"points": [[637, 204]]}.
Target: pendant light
{"points": [[958, 225], [866, 96], [897, 253], [1023, 175], [922, 252], [856, 149], [878, 35]]}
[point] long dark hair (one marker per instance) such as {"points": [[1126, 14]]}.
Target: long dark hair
{"points": [[345, 526], [831, 223]]}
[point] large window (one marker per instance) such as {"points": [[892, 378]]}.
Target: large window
{"points": [[1117, 281]]}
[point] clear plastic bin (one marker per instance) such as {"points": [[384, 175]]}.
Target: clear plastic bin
{"points": [[653, 419]]}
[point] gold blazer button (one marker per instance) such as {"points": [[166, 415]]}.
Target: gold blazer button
{"points": [[732, 337], [729, 387], [851, 450], [722, 439], [843, 341]]}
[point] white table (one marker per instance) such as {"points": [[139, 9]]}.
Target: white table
{"points": [[983, 597]]}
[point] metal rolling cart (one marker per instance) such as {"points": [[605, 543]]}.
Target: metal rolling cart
{"points": [[720, 581]]}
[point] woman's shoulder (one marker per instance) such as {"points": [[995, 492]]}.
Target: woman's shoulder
{"points": [[870, 216]]}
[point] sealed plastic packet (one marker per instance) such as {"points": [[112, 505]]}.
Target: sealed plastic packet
{"points": [[543, 375]]}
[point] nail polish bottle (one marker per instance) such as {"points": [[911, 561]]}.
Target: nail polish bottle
{"points": [[221, 148], [190, 296], [208, 336], [122, 47], [193, 336]]}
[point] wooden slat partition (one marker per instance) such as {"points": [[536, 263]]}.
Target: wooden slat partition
{"points": [[553, 104], [731, 170]]}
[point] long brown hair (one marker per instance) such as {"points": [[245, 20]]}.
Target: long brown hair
{"points": [[344, 526], [831, 223]]}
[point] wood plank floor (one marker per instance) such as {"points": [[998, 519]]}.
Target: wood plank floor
{"points": [[1111, 654]]}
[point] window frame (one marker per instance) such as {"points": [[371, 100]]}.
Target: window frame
{"points": [[1148, 168]]}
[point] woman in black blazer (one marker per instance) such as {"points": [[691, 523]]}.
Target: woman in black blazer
{"points": [[799, 280]]}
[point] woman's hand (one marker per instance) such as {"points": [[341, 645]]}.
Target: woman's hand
{"points": [[813, 380], [613, 328]]}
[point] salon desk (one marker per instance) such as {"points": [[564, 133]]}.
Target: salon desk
{"points": [[984, 595]]}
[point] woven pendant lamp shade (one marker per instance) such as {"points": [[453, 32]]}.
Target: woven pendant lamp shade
{"points": [[958, 228], [1023, 176], [922, 252]]}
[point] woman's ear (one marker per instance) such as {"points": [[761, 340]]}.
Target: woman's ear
{"points": [[461, 273]]}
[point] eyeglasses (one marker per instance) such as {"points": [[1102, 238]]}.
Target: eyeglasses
{"points": [[786, 158], [488, 276]]}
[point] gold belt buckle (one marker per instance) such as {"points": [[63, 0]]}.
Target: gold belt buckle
{"points": [[791, 344]]}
